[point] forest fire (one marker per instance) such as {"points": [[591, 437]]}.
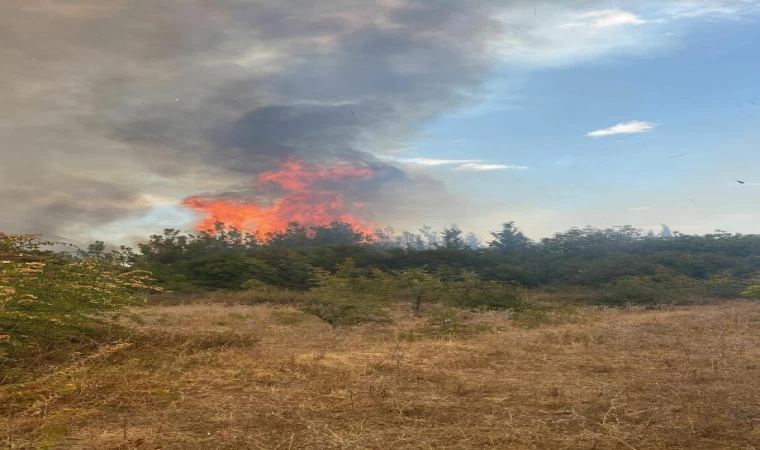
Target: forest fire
{"points": [[308, 195]]}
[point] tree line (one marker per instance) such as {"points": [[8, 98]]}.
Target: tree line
{"points": [[226, 258], [344, 276]]}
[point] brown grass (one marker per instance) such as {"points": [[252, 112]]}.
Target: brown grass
{"points": [[267, 377]]}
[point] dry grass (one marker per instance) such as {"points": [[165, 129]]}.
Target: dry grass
{"points": [[263, 377]]}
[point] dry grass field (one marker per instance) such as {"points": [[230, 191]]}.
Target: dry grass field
{"points": [[210, 376]]}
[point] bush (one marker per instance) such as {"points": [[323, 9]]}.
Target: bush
{"points": [[345, 311], [752, 291], [257, 285], [474, 293], [665, 287], [46, 294], [342, 298], [723, 285], [424, 286]]}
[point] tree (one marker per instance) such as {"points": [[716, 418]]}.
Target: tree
{"points": [[295, 236], [345, 297], [336, 233], [96, 250], [422, 284], [430, 237], [224, 238], [385, 237], [452, 238], [409, 240], [509, 239], [166, 248], [472, 241]]}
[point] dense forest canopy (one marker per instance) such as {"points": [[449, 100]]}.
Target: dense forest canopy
{"points": [[226, 258]]}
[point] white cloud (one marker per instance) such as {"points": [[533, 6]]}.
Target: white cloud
{"points": [[606, 18], [561, 35], [483, 167], [689, 9], [564, 36], [435, 162], [461, 164], [635, 126], [640, 208]]}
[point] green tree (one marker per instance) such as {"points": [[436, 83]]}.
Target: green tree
{"points": [[470, 291], [343, 297], [423, 285], [509, 239], [336, 233], [451, 238]]}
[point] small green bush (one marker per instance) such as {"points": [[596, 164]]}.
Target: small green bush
{"points": [[663, 288], [422, 285], [473, 293], [338, 298], [345, 311], [257, 285], [45, 295], [752, 291]]}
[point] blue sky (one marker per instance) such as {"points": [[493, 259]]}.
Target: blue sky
{"points": [[694, 79]]}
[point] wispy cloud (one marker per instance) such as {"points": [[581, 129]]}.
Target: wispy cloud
{"points": [[606, 18], [703, 8], [640, 208], [478, 167], [564, 36], [431, 162], [632, 127], [469, 165]]}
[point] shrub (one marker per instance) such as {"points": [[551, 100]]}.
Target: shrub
{"points": [[752, 291], [344, 311], [338, 298], [665, 287], [474, 293], [47, 294], [423, 286], [257, 285], [723, 285]]}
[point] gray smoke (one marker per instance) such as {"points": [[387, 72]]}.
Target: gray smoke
{"points": [[110, 104]]}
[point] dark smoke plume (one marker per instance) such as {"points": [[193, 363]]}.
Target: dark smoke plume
{"points": [[115, 106]]}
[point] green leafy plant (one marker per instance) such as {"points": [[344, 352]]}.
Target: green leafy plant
{"points": [[257, 285], [423, 285], [752, 291], [341, 298], [470, 291], [664, 287], [45, 294]]}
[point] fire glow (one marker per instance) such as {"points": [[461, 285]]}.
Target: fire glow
{"points": [[309, 196]]}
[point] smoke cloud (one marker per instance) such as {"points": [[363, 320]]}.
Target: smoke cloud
{"points": [[115, 107]]}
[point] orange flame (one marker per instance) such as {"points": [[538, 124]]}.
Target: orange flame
{"points": [[307, 200]]}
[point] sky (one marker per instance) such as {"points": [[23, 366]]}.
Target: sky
{"points": [[549, 114]]}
